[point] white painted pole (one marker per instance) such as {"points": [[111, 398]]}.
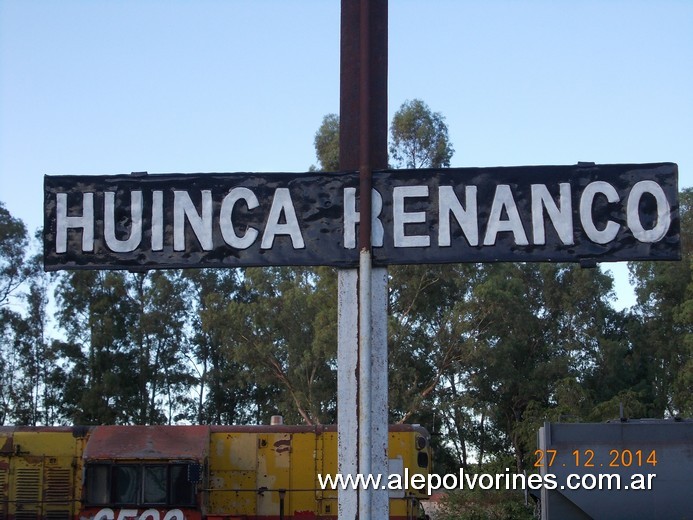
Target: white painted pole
{"points": [[349, 399], [347, 388], [380, 503], [365, 370]]}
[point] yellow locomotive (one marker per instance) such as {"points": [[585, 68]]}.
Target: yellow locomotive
{"points": [[187, 472]]}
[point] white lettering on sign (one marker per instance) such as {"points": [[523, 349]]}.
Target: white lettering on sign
{"points": [[606, 235], [157, 220], [400, 217], [658, 232], [226, 220], [467, 217], [85, 221], [353, 217], [201, 224], [133, 514], [503, 200], [282, 204], [282, 220], [561, 217], [114, 243], [503, 217]]}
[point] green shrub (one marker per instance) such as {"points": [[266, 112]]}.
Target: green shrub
{"points": [[485, 505]]}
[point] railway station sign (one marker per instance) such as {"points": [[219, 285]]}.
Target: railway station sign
{"points": [[586, 212]]}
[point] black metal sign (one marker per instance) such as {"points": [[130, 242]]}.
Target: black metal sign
{"points": [[529, 213]]}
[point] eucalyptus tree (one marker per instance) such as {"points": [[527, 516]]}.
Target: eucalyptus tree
{"points": [[159, 333], [326, 143], [226, 392], [94, 313], [25, 356], [540, 329], [125, 343], [34, 395], [430, 324], [14, 242], [284, 331], [419, 137], [664, 331]]}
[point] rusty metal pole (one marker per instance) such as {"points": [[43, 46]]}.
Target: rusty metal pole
{"points": [[365, 159], [362, 351]]}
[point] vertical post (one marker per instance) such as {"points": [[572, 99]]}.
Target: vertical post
{"points": [[365, 437], [347, 389], [362, 350]]}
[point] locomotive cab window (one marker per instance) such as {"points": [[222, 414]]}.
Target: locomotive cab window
{"points": [[181, 489], [98, 484], [155, 487], [124, 484], [139, 485]]}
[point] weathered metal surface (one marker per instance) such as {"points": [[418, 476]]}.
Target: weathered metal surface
{"points": [[6, 444], [248, 471], [379, 389], [581, 213], [317, 429], [148, 442], [639, 469], [347, 385], [263, 428], [185, 220], [41, 474]]}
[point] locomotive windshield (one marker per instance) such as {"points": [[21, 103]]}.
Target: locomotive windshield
{"points": [[139, 485]]}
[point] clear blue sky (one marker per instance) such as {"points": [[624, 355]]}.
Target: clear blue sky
{"points": [[106, 87]]}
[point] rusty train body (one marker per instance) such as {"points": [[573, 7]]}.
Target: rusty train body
{"points": [[187, 472]]}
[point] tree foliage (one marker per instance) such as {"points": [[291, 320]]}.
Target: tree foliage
{"points": [[14, 241], [285, 332], [327, 143], [419, 137], [664, 323]]}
